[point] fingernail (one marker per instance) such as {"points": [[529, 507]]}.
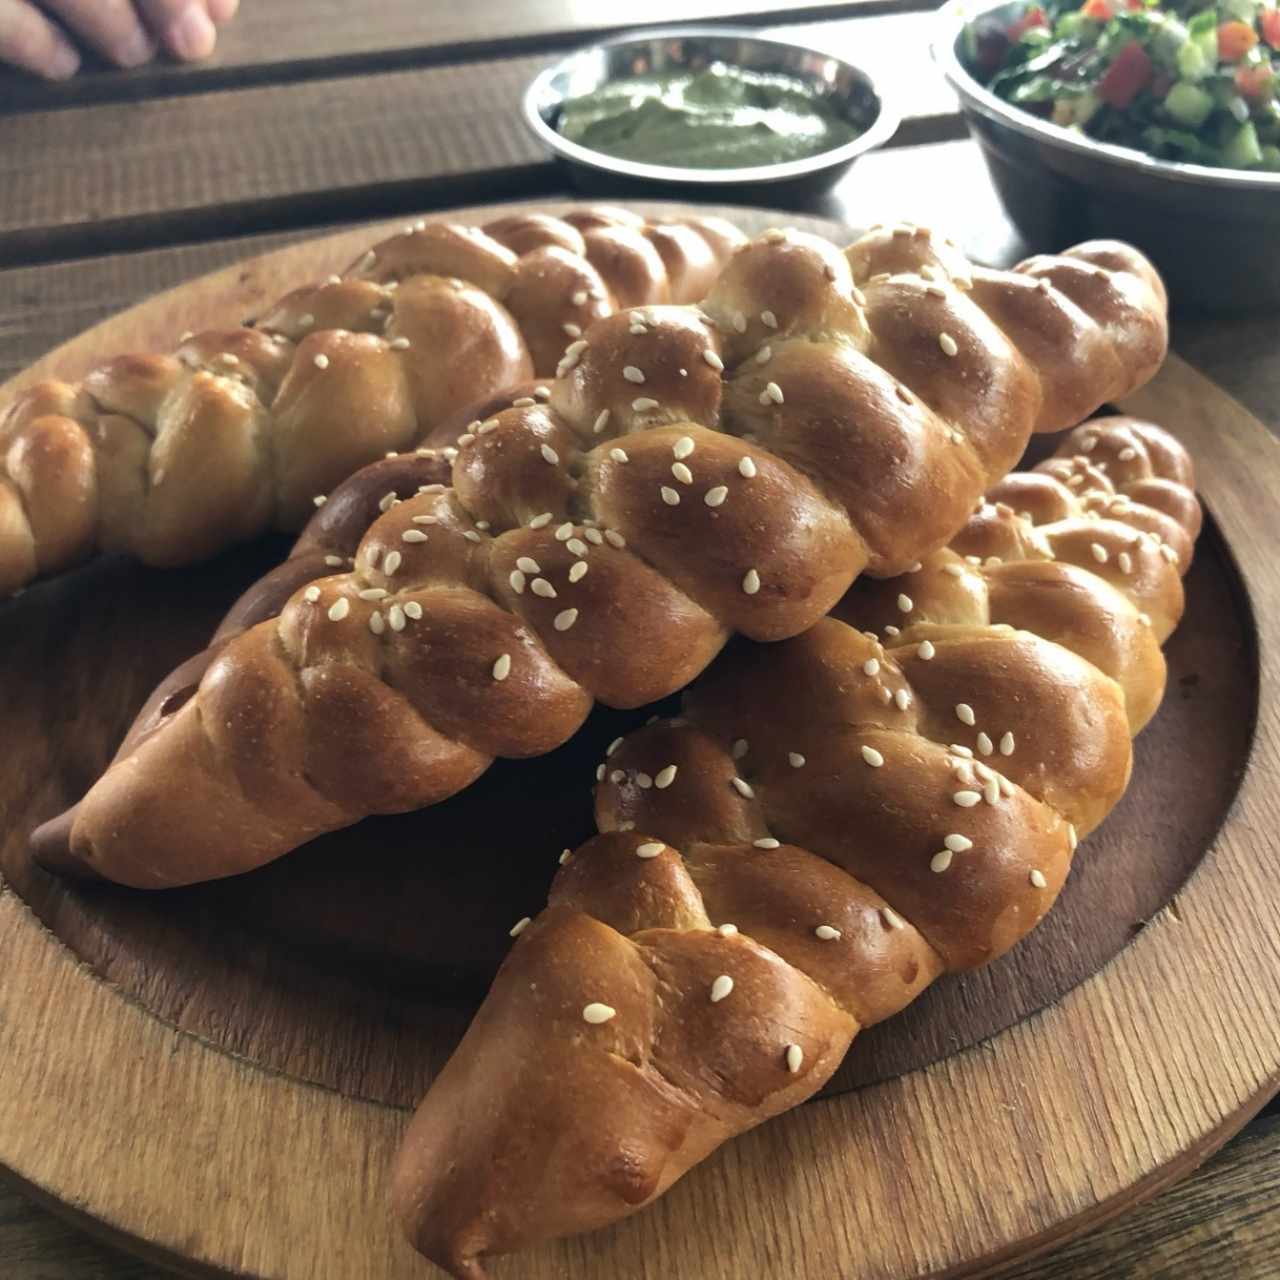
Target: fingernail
{"points": [[223, 10], [192, 36], [136, 49], [63, 63]]}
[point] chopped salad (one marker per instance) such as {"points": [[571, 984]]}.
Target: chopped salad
{"points": [[1180, 81]]}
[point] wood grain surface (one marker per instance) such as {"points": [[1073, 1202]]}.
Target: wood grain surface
{"points": [[121, 174], [1000, 1148]]}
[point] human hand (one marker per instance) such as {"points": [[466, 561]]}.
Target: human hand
{"points": [[126, 32]]}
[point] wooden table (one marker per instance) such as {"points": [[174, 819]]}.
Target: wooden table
{"points": [[316, 113]]}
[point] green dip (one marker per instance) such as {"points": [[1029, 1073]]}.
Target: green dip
{"points": [[721, 118]]}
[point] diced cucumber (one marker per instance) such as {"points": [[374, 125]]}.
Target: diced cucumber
{"points": [[1242, 150], [1189, 104], [1203, 29], [1169, 39], [1191, 62], [1271, 158]]}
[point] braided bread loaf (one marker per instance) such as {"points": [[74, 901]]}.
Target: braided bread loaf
{"points": [[832, 823], [695, 473], [172, 458]]}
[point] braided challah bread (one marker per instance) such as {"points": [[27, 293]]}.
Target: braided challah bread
{"points": [[172, 458], [693, 473], [832, 823]]}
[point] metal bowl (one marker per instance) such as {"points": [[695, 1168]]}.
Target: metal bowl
{"points": [[694, 49], [1210, 231]]}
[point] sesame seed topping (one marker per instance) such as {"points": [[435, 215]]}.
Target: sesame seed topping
{"points": [[891, 630], [1072, 839], [413, 609], [743, 788], [682, 473], [713, 360], [578, 571], [768, 319], [320, 499], [891, 918], [795, 760], [739, 322], [751, 582], [872, 756], [926, 650], [773, 392], [549, 454], [936, 291], [1037, 878], [966, 799], [471, 535], [396, 617], [1089, 444], [373, 593], [726, 930], [795, 1058], [827, 933], [601, 422], [632, 374], [747, 468], [577, 546], [1125, 561], [683, 447], [941, 860], [593, 536], [412, 535], [642, 404], [528, 565], [399, 344], [720, 988], [1127, 454], [516, 579], [321, 361], [565, 531], [902, 699], [1098, 552], [985, 745], [541, 587], [958, 843], [572, 330], [650, 849], [540, 522], [391, 561], [311, 594], [1006, 744], [714, 497], [871, 667], [665, 776], [948, 344], [597, 1013], [991, 791], [669, 496], [565, 855], [614, 538], [613, 746], [964, 713], [764, 355], [905, 603], [333, 561], [957, 749], [502, 666], [519, 927], [1168, 553], [955, 570], [565, 619], [617, 776], [766, 842], [306, 320], [377, 623]]}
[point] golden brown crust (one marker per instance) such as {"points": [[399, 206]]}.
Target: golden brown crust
{"points": [[171, 458], [831, 823]]}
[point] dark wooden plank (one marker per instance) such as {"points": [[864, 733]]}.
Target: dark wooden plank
{"points": [[279, 40], [126, 175]]}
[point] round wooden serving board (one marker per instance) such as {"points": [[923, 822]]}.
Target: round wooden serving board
{"points": [[218, 1076]]}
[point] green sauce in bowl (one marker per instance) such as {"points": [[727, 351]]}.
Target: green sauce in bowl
{"points": [[721, 118]]}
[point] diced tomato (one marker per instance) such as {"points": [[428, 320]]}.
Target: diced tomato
{"points": [[1127, 76], [1028, 22], [1269, 20], [1255, 82], [1235, 39], [1134, 5], [1098, 10]]}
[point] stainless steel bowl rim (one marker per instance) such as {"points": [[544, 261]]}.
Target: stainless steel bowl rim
{"points": [[952, 19], [881, 129]]}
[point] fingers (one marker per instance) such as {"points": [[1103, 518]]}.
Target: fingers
{"points": [[223, 10], [183, 26], [30, 41], [110, 26]]}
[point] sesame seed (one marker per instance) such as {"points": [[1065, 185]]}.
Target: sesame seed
{"points": [[795, 1058], [306, 320], [720, 988], [541, 587], [747, 468], [519, 927], [320, 499], [616, 776], [578, 571], [333, 561], [966, 799], [941, 860], [642, 404], [413, 535], [764, 355], [751, 582], [399, 344], [926, 650], [650, 849], [669, 496], [956, 749], [715, 496], [593, 536], [1125, 561], [1098, 552], [632, 374], [955, 570], [565, 531], [395, 616], [891, 630], [614, 538], [577, 546], [713, 360], [321, 361], [1089, 444], [542, 393], [377, 623], [958, 843], [573, 330], [523, 402], [565, 855], [601, 422], [872, 756], [1127, 454], [597, 1013], [373, 593], [773, 392], [1037, 878], [740, 748], [471, 535], [1071, 836], [905, 603], [985, 745], [565, 619], [391, 562], [768, 319], [1074, 482], [948, 344], [528, 565], [795, 760], [516, 579], [726, 930], [413, 609], [743, 788], [613, 746], [902, 699], [964, 713], [765, 842], [387, 501], [826, 933], [991, 791], [1006, 744], [549, 454], [871, 667], [739, 322], [891, 918], [1168, 553], [683, 447], [502, 666], [665, 776], [935, 291], [540, 522]]}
